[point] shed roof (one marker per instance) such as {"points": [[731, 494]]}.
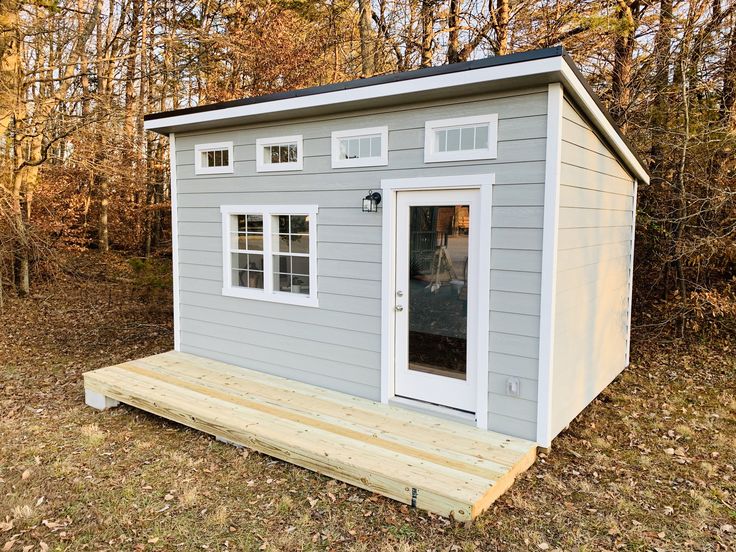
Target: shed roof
{"points": [[489, 74]]}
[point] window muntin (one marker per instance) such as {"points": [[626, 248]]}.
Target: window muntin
{"points": [[291, 263], [270, 253], [279, 154], [462, 138], [213, 158], [360, 147], [246, 253]]}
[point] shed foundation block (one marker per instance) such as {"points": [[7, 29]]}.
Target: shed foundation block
{"points": [[99, 401]]}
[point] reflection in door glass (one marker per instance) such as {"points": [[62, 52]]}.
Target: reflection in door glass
{"points": [[438, 289]]}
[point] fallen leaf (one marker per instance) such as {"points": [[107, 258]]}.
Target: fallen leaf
{"points": [[312, 501], [543, 546], [727, 528], [8, 545], [669, 451], [153, 540], [169, 497], [6, 526], [26, 474], [44, 546]]}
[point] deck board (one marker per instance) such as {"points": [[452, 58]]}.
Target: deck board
{"points": [[438, 465]]}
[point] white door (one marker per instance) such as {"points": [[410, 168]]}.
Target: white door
{"points": [[436, 297]]}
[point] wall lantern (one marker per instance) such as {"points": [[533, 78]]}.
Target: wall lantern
{"points": [[371, 201]]}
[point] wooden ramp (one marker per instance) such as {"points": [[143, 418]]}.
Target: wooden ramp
{"points": [[437, 465]]}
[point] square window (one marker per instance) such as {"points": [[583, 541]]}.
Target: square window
{"points": [[286, 275]]}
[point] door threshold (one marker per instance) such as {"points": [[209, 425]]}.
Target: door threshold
{"points": [[440, 411]]}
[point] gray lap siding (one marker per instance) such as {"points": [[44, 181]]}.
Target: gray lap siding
{"points": [[337, 345]]}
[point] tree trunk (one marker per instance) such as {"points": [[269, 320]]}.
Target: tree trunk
{"points": [[660, 116], [502, 27], [623, 60], [366, 37], [427, 15], [453, 31]]}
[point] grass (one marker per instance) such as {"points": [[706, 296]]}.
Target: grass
{"points": [[649, 465]]}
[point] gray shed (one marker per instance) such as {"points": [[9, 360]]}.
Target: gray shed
{"points": [[457, 240]]}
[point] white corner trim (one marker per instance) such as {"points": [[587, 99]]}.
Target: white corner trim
{"points": [[431, 128], [262, 166], [591, 109], [631, 275], [375, 161], [553, 157], [484, 182], [199, 149], [268, 293], [174, 241]]}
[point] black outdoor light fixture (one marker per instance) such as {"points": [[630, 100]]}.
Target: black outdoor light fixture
{"points": [[371, 201]]}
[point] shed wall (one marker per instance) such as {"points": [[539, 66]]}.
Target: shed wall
{"points": [[594, 252], [337, 345]]}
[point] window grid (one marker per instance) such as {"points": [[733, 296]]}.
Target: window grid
{"points": [[216, 158], [246, 252], [360, 147], [269, 253], [291, 264], [462, 138], [280, 153]]}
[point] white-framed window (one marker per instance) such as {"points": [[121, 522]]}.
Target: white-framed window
{"points": [[461, 138], [270, 253], [214, 158], [280, 153], [364, 147]]}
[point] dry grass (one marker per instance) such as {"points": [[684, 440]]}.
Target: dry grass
{"points": [[650, 465]]}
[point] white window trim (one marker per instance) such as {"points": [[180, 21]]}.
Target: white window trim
{"points": [[337, 135], [297, 165], [432, 156], [200, 148], [268, 293]]}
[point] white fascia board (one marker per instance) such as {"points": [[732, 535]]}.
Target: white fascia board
{"points": [[589, 105], [411, 86]]}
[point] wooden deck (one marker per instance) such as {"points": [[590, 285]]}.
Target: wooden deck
{"points": [[437, 465]]}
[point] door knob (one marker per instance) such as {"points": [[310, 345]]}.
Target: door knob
{"points": [[398, 308], [399, 293]]}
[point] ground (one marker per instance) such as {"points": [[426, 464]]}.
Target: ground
{"points": [[650, 465]]}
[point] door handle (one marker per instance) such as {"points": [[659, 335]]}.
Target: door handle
{"points": [[398, 308]]}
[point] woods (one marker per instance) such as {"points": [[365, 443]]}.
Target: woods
{"points": [[79, 171]]}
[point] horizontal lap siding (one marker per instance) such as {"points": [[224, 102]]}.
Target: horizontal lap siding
{"points": [[337, 345], [593, 256]]}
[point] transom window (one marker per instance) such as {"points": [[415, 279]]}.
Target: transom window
{"points": [[270, 253], [360, 148], [463, 138], [213, 158], [282, 153]]}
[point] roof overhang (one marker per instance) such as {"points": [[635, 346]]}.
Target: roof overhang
{"points": [[492, 74]]}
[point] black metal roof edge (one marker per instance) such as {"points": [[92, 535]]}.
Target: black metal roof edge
{"points": [[495, 61], [589, 89]]}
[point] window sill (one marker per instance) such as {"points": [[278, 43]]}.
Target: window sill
{"points": [[477, 155], [279, 167], [275, 297], [213, 170]]}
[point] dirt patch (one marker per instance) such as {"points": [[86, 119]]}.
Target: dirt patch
{"points": [[648, 466]]}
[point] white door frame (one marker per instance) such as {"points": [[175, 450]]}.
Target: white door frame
{"points": [[484, 183]]}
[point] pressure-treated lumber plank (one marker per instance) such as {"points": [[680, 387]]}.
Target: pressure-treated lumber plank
{"points": [[433, 464], [376, 413], [382, 420]]}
